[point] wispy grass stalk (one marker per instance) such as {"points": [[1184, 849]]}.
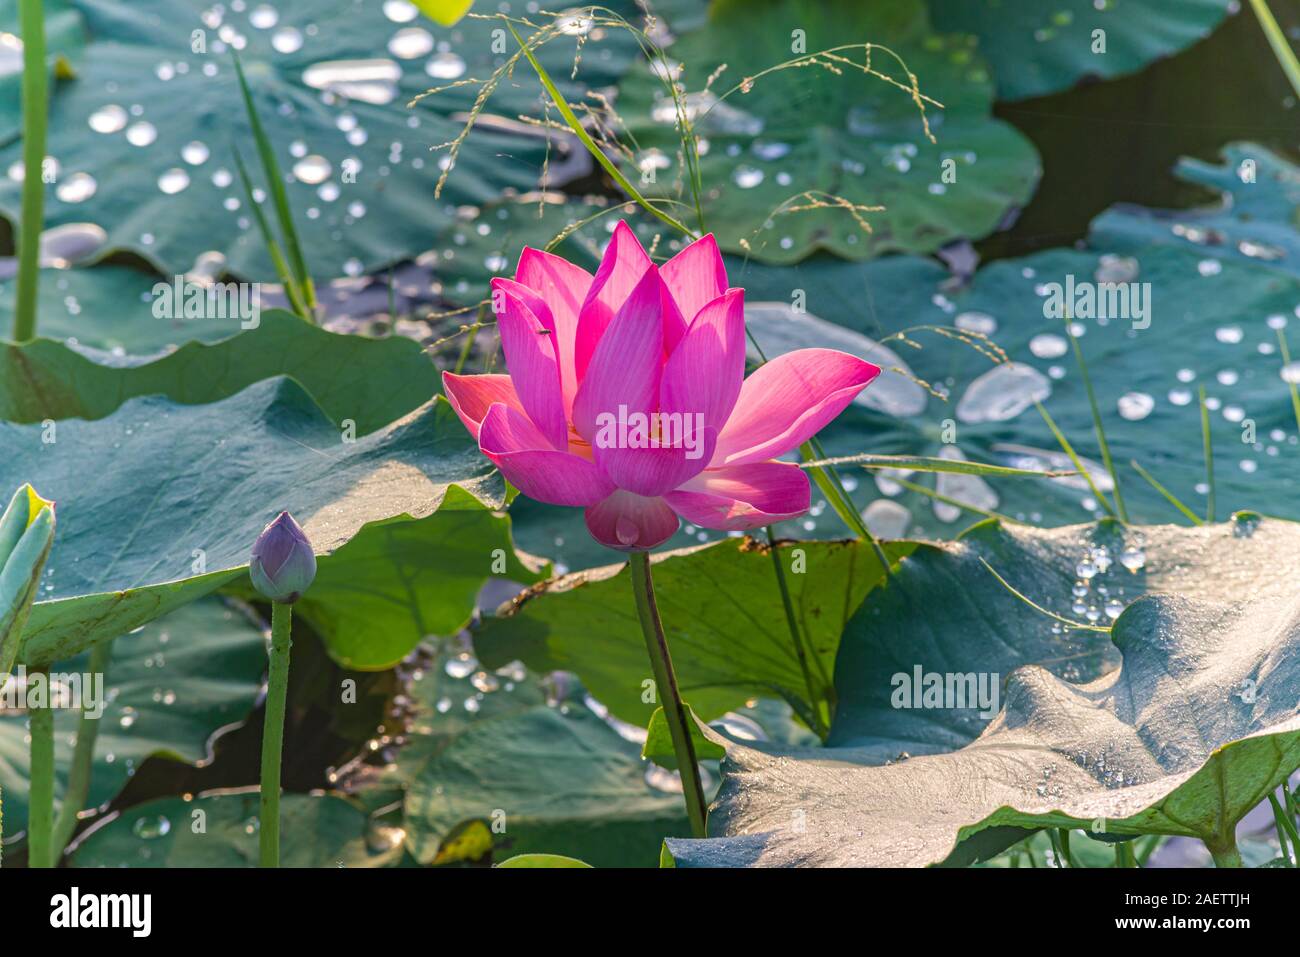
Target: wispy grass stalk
{"points": [[1074, 457], [1097, 425], [1295, 393], [272, 246], [1086, 626], [1169, 496], [1209, 455], [297, 263]]}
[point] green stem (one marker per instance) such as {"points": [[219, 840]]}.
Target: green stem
{"points": [[1285, 828], [815, 700], [1124, 855], [40, 814], [1169, 496], [74, 798], [1286, 57], [279, 197], [828, 480], [1295, 393], [277, 686], [1098, 427], [35, 105], [1065, 846], [1225, 853], [1074, 457], [1209, 456], [661, 663]]}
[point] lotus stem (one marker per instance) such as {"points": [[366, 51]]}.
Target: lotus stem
{"points": [[1224, 851], [74, 798], [796, 637], [1277, 41], [35, 104], [661, 663], [277, 687], [40, 813]]}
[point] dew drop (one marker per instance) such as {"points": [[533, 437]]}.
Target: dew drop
{"points": [[312, 170], [370, 81], [445, 66], [1133, 558], [1135, 406], [1048, 345], [1003, 393], [264, 16], [400, 11], [286, 40], [747, 177], [195, 153], [151, 826], [1116, 269], [461, 666], [77, 188], [979, 322], [108, 119], [410, 42], [141, 133], [11, 55], [174, 180]]}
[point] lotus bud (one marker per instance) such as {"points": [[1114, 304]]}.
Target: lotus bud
{"points": [[283, 565], [26, 534]]}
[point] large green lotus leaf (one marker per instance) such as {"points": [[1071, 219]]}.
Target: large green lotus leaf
{"points": [[370, 382], [722, 613], [177, 197], [65, 36], [1038, 48], [160, 503], [1208, 326], [172, 688], [316, 830], [851, 135], [1197, 724], [487, 751], [1254, 221]]}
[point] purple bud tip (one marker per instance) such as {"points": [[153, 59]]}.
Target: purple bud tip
{"points": [[283, 564]]}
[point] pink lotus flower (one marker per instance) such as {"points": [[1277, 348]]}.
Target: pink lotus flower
{"points": [[634, 340]]}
